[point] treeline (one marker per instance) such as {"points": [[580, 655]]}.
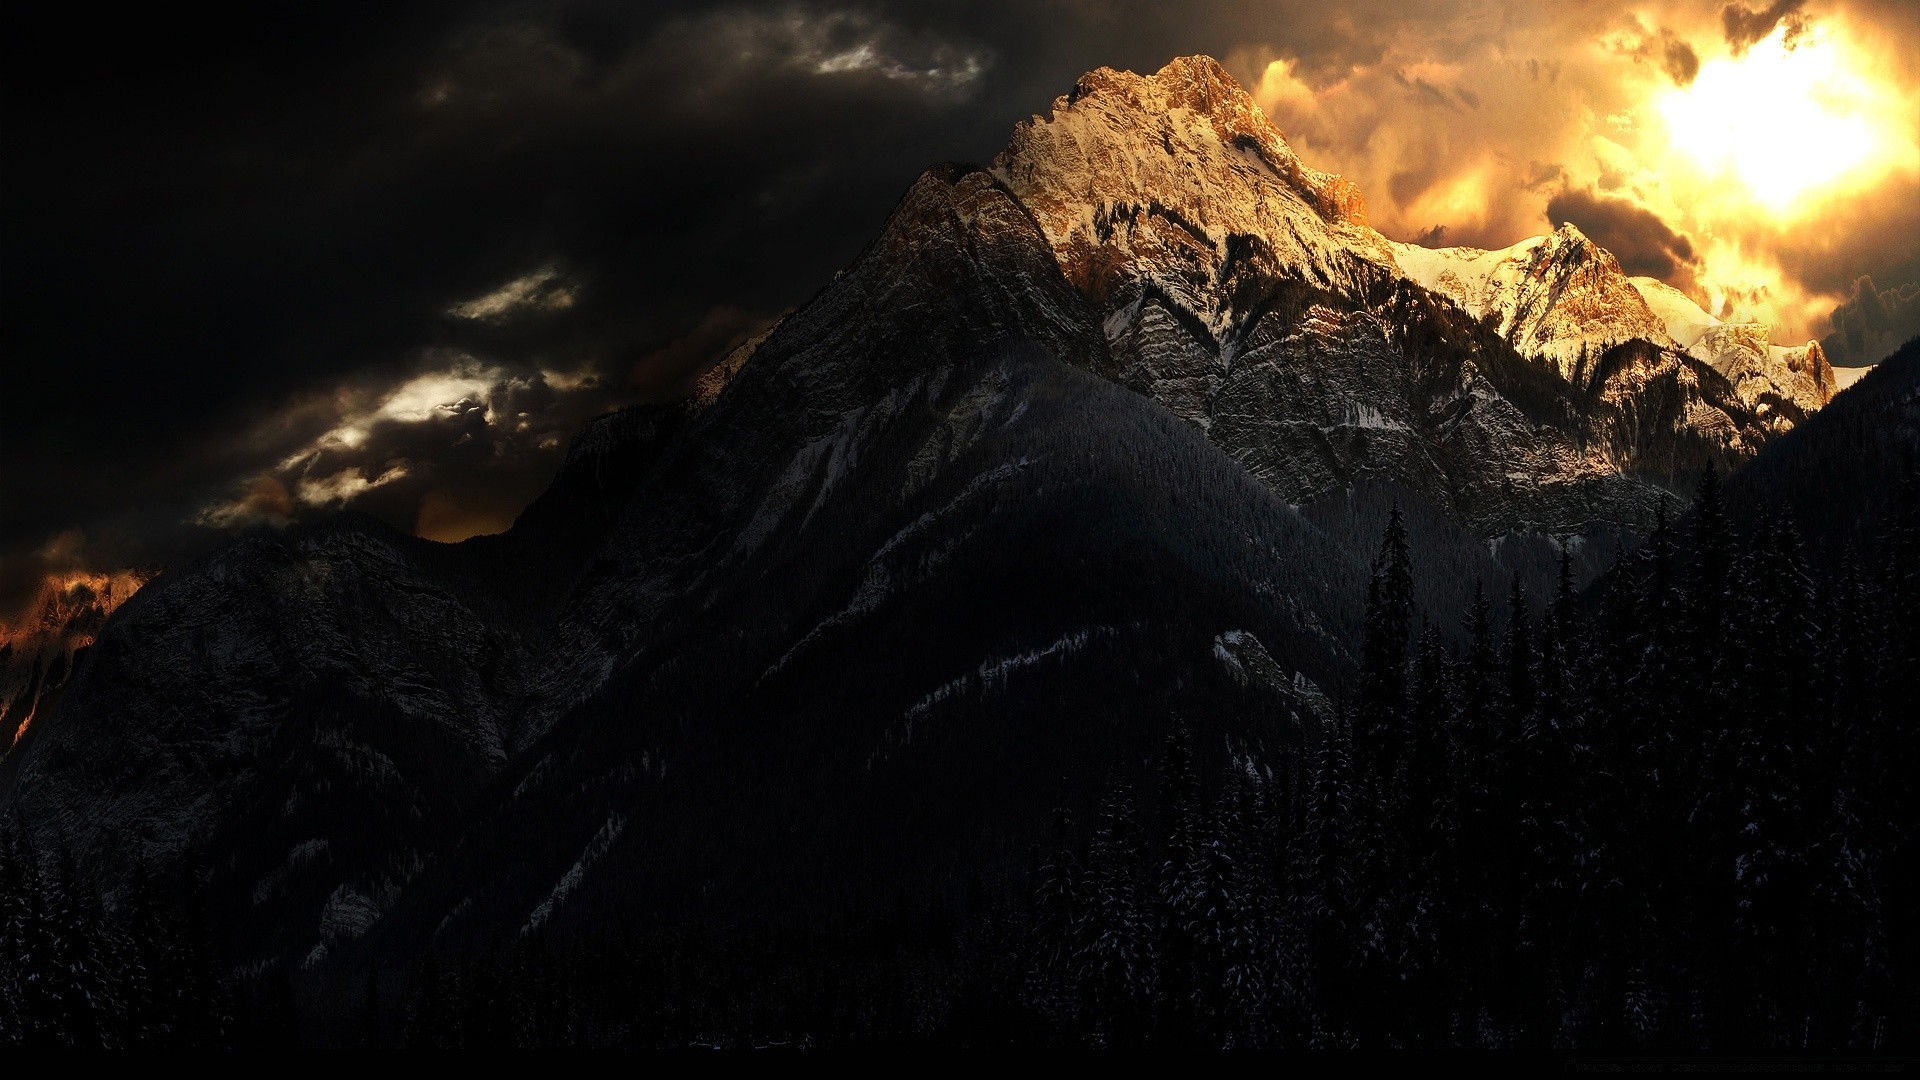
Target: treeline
{"points": [[1675, 815], [74, 975]]}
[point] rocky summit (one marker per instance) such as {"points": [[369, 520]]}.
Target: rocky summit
{"points": [[1531, 389]]}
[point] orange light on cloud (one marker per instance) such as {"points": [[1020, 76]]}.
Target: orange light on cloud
{"points": [[1761, 158], [1782, 127]]}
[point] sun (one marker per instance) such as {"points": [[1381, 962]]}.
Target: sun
{"points": [[1788, 123]]}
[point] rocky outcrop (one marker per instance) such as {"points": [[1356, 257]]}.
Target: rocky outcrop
{"points": [[39, 649], [1245, 292]]}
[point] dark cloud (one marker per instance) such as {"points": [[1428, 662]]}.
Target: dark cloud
{"points": [[1644, 244], [1682, 64], [216, 228], [1544, 174], [1664, 48], [211, 232], [1426, 93], [1873, 322], [1747, 26]]}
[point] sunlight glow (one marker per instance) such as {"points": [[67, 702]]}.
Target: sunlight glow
{"points": [[1785, 126]]}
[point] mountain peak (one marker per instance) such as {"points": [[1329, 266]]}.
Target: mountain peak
{"points": [[1197, 83], [1559, 297], [1205, 84], [1134, 177], [1567, 249], [1569, 233], [1192, 88]]}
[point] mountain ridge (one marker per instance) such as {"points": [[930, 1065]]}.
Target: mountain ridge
{"points": [[1075, 441]]}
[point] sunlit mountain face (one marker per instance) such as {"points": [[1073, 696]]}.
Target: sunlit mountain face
{"points": [[38, 648]]}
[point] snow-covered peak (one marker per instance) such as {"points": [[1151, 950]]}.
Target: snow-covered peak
{"points": [[1743, 352], [1558, 298], [1844, 377], [1685, 320]]}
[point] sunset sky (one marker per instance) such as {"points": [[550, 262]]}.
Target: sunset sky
{"points": [[262, 271]]}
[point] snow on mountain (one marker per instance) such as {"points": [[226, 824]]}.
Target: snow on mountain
{"points": [[1563, 300], [1685, 321], [1172, 178], [1765, 374], [1246, 293], [1844, 377], [1559, 298], [1172, 200]]}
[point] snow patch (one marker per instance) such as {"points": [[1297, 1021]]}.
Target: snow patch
{"points": [[1844, 377], [596, 847]]}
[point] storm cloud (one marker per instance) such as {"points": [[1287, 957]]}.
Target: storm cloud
{"points": [[1746, 26], [1645, 245], [1873, 322]]}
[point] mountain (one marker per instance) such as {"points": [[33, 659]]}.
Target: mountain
{"points": [[1095, 435], [1531, 390], [1840, 474], [1558, 299], [368, 731], [1564, 301], [38, 653]]}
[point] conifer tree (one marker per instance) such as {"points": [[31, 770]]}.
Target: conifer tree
{"points": [[14, 918], [76, 989], [1389, 626], [1328, 892], [1184, 891], [1486, 808], [1431, 827], [1051, 987], [1766, 802], [1119, 972], [29, 942]]}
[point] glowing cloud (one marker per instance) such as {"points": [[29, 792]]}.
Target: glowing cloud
{"points": [[388, 449], [1773, 161], [466, 383], [1785, 123], [540, 290]]}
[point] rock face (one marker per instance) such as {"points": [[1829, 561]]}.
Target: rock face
{"points": [[930, 556], [1526, 390], [38, 652], [314, 681], [913, 541]]}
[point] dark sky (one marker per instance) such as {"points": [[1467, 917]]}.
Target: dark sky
{"points": [[393, 259]]}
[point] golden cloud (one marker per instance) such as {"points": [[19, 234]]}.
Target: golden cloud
{"points": [[1756, 161]]}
